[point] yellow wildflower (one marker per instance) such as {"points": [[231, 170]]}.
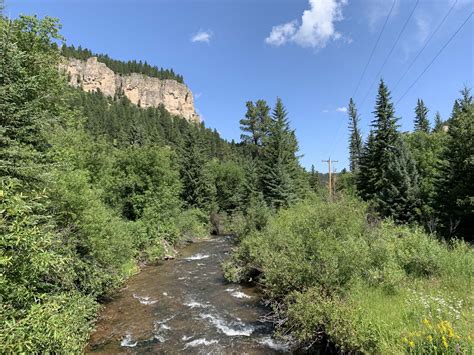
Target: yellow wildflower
{"points": [[445, 343], [429, 338], [405, 340], [411, 344], [426, 322]]}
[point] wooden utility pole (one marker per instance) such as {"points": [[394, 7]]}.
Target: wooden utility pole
{"points": [[329, 161]]}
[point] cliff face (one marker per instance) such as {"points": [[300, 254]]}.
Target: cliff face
{"points": [[92, 75]]}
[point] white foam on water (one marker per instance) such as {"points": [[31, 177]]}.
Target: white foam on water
{"points": [[240, 329], [144, 300], [201, 264], [194, 304], [165, 327], [198, 256], [160, 338], [230, 289], [186, 338], [182, 278], [274, 344], [128, 341], [165, 294], [239, 294], [202, 341]]}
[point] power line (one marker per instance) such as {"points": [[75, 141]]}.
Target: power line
{"points": [[436, 56], [424, 46], [391, 51], [336, 140], [373, 49]]}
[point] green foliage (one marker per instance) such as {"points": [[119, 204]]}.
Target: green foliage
{"points": [[427, 150], [355, 138], [198, 188], [121, 67], [364, 286], [256, 124], [193, 223], [279, 161], [27, 67], [455, 187], [383, 137], [398, 195], [229, 179], [422, 124], [53, 324], [388, 174], [438, 126], [89, 185]]}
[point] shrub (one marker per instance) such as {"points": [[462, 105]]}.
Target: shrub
{"points": [[364, 287], [55, 324]]}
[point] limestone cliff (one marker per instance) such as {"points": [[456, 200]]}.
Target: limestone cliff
{"points": [[92, 75]]}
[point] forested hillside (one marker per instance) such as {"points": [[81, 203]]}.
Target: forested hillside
{"points": [[93, 186], [121, 67]]}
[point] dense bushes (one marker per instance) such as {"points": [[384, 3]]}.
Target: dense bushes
{"points": [[366, 286], [78, 209]]}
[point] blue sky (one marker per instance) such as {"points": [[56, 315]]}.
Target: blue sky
{"points": [[311, 53]]}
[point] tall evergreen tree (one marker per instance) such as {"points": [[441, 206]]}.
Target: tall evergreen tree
{"points": [[279, 161], [422, 123], [256, 125], [398, 196], [438, 126], [456, 188], [382, 140], [198, 188], [365, 177], [355, 138], [314, 181]]}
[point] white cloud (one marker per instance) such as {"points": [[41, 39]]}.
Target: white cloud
{"points": [[281, 33], [202, 36], [342, 109], [317, 26]]}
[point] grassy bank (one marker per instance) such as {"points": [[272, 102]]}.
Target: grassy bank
{"points": [[367, 286]]}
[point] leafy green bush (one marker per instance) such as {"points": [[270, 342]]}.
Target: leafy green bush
{"points": [[57, 324], [330, 273], [193, 223]]}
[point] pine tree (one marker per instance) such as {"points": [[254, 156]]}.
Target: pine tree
{"points": [[422, 123], [365, 177], [455, 186], [279, 161], [382, 140], [438, 127], [398, 196], [387, 173], [198, 188], [314, 181], [256, 124], [355, 138]]}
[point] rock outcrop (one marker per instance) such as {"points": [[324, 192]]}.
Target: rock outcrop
{"points": [[92, 75]]}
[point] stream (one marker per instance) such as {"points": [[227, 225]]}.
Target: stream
{"points": [[185, 305]]}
